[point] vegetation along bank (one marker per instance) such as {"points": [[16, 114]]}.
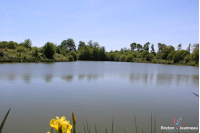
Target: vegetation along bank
{"points": [[166, 54]]}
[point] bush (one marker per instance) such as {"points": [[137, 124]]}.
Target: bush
{"points": [[1, 53], [149, 57], [20, 50], [70, 58], [187, 58], [49, 50], [58, 50], [180, 55], [35, 53], [11, 45], [73, 54], [129, 58], [144, 54], [122, 58]]}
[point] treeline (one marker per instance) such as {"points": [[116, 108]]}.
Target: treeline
{"points": [[67, 51]]}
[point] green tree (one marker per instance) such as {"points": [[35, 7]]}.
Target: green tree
{"points": [[180, 55], [27, 43], [36, 51], [179, 47], [144, 54], [188, 48], [166, 50], [146, 46], [81, 45], [68, 44], [161, 47], [139, 47], [133, 46], [90, 43], [74, 55], [49, 50], [152, 49], [195, 55], [129, 58], [11, 45], [102, 54], [149, 57]]}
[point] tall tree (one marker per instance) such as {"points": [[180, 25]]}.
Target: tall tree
{"points": [[90, 43], [152, 49], [188, 48], [49, 50], [81, 45], [68, 44], [133, 46], [179, 47], [146, 46], [27, 43], [139, 47]]}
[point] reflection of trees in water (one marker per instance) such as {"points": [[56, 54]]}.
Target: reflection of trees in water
{"points": [[163, 78], [195, 79], [48, 77], [11, 76], [27, 78], [68, 78], [90, 76]]}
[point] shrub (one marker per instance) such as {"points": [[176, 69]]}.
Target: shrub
{"points": [[58, 50], [11, 45], [49, 50], [144, 54], [149, 57], [20, 50], [70, 58], [129, 58], [35, 53], [73, 54], [1, 53], [122, 58]]}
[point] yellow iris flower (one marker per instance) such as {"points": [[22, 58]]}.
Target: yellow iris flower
{"points": [[61, 123]]}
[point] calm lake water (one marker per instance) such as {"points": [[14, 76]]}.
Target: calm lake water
{"points": [[97, 91]]}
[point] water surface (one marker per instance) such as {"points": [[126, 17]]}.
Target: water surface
{"points": [[97, 91]]}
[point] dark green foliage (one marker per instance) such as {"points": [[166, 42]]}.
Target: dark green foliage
{"points": [[133, 46], [171, 55], [195, 55], [1, 53], [11, 45], [152, 49], [74, 55], [144, 54], [149, 57], [68, 44], [49, 50], [58, 50], [27, 43], [187, 58], [180, 55], [70, 58], [179, 47], [139, 47], [81, 45], [35, 53], [129, 58], [146, 46], [166, 50], [3, 44], [122, 58]]}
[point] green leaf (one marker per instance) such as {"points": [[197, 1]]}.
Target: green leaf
{"points": [[4, 120]]}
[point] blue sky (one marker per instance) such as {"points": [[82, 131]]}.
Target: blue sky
{"points": [[112, 23]]}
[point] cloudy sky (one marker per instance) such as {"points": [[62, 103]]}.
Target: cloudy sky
{"points": [[112, 23]]}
